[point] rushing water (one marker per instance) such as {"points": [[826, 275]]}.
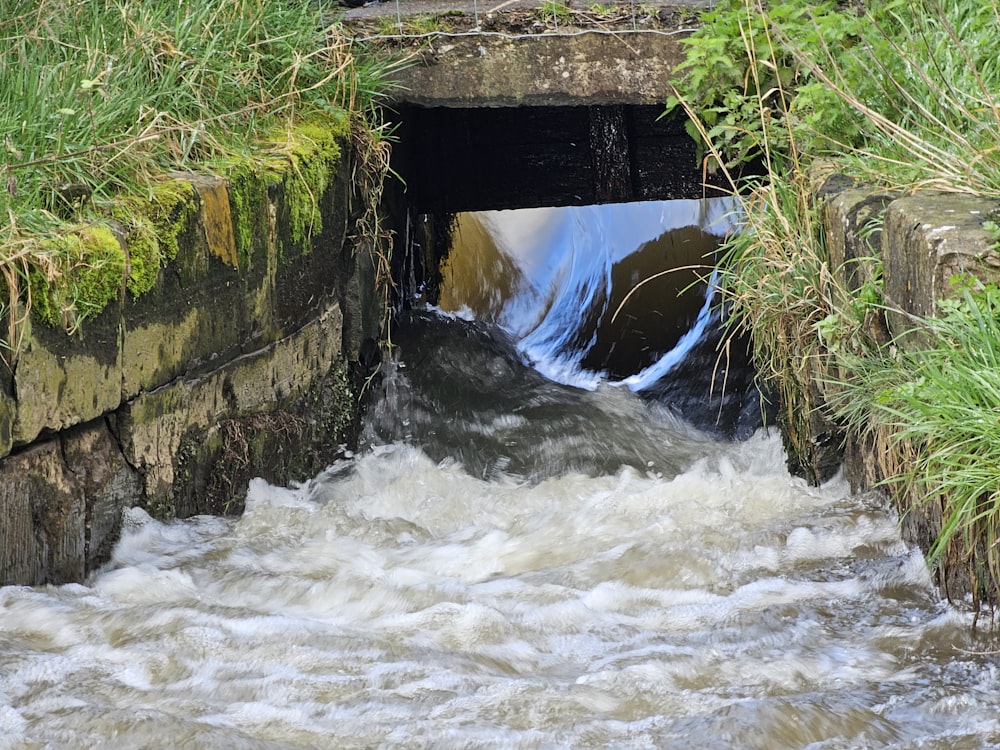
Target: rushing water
{"points": [[508, 562]]}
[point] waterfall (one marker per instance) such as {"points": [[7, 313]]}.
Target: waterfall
{"points": [[614, 293]]}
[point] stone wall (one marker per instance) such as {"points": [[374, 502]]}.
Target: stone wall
{"points": [[925, 240], [242, 361]]}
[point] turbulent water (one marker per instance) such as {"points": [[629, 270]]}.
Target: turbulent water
{"points": [[507, 562]]}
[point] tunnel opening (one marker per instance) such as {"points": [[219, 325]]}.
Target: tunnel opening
{"points": [[586, 233], [490, 158]]}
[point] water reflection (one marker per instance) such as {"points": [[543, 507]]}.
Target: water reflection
{"points": [[591, 292], [622, 294]]}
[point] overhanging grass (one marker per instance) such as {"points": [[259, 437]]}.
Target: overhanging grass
{"points": [[98, 98], [936, 395]]}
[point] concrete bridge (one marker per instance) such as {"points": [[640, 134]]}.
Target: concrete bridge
{"points": [[512, 106]]}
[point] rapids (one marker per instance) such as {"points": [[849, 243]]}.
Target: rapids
{"points": [[508, 562]]}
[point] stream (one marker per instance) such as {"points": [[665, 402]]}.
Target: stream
{"points": [[557, 532]]}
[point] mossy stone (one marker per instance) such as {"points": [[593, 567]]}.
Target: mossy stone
{"points": [[87, 272], [153, 226]]}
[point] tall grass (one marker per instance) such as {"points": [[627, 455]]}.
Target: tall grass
{"points": [[939, 400], [920, 87], [99, 97], [900, 94]]}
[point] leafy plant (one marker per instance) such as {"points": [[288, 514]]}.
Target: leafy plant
{"points": [[901, 93], [737, 68], [994, 229]]}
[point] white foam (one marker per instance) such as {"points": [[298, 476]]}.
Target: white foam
{"points": [[12, 727], [407, 593]]}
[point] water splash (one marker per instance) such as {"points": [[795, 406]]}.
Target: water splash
{"points": [[647, 377]]}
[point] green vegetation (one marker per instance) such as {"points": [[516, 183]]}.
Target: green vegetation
{"points": [[153, 225], [418, 25], [98, 101], [939, 400], [93, 266], [556, 11], [994, 229], [900, 95]]}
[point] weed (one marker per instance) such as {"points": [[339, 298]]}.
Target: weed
{"points": [[939, 402], [556, 11], [994, 230]]}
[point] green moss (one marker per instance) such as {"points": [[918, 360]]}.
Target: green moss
{"points": [[313, 154], [87, 271], [302, 160], [171, 208], [143, 253], [74, 276], [153, 226], [247, 197]]}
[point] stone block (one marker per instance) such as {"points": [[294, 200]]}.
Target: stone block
{"points": [[543, 71], [63, 381], [152, 426], [61, 503], [196, 314], [241, 327], [853, 235], [95, 462], [8, 414], [42, 537], [929, 239]]}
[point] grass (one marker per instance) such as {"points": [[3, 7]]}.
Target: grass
{"points": [[902, 95], [100, 99], [939, 401], [557, 11]]}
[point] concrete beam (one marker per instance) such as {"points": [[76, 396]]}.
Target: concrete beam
{"points": [[517, 53], [543, 70]]}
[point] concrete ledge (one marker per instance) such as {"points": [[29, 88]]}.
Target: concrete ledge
{"points": [[543, 70], [924, 242]]}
